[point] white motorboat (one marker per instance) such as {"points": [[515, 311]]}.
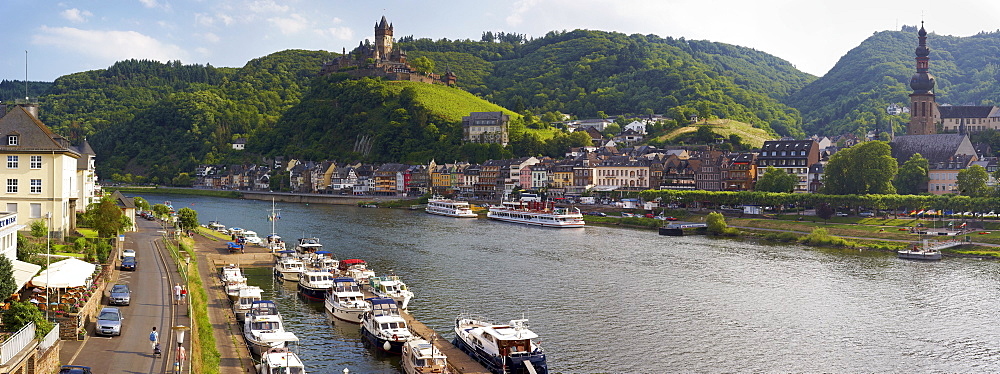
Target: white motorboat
{"points": [[247, 296], [384, 327], [280, 361], [357, 269], [265, 331], [392, 287], [308, 245], [501, 348], [233, 280], [346, 301], [320, 261], [422, 357], [288, 267], [251, 237], [449, 208], [537, 213], [315, 284]]}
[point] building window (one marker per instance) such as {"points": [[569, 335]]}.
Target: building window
{"points": [[12, 186], [12, 162], [12, 140], [12, 207], [36, 162], [36, 186], [36, 210]]}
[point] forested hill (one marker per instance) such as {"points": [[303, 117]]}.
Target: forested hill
{"points": [[582, 72], [855, 93]]}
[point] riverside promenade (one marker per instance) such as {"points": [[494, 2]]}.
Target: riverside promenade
{"points": [[233, 351]]}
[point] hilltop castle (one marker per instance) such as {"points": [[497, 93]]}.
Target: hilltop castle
{"points": [[382, 60]]}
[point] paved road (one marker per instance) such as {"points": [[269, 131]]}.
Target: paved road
{"points": [[151, 305]]}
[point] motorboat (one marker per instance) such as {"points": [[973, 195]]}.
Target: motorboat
{"points": [[315, 284], [357, 269], [391, 286], [264, 308], [263, 333], [449, 208], [384, 327], [233, 280], [537, 213], [422, 357], [251, 237], [288, 267], [216, 226], [346, 301], [502, 349], [247, 296], [230, 271], [919, 254], [280, 361], [320, 261], [308, 245]]}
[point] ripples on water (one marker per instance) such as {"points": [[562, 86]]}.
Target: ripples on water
{"points": [[608, 300]]}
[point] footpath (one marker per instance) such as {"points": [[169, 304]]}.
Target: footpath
{"points": [[859, 237]]}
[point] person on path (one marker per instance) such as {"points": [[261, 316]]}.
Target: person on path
{"points": [[177, 293], [154, 338], [181, 356], [184, 295]]}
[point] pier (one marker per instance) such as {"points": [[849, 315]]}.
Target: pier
{"points": [[214, 255]]}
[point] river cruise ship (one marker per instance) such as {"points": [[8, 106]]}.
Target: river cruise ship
{"points": [[537, 213], [449, 208]]}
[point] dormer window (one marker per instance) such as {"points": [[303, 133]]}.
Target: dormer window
{"points": [[12, 140]]}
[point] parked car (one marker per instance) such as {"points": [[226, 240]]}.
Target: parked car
{"points": [[109, 322], [841, 214], [128, 253], [649, 215], [670, 218], [120, 295], [866, 214], [129, 263], [74, 369]]}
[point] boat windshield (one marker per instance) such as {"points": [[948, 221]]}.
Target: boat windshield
{"points": [[266, 325], [393, 325], [286, 370]]}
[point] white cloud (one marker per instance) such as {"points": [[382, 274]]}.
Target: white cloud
{"points": [[76, 15], [266, 6], [149, 3], [108, 46], [342, 33], [520, 7], [203, 19], [210, 37], [291, 24]]}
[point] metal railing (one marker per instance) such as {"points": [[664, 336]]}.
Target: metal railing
{"points": [[50, 339], [15, 343]]}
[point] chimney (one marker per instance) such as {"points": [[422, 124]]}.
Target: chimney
{"points": [[31, 108]]}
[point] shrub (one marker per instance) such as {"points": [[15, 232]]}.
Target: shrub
{"points": [[38, 228], [716, 223], [820, 237], [22, 313]]}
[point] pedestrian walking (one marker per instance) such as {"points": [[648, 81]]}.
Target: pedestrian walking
{"points": [[154, 339], [184, 295], [181, 356], [177, 293]]}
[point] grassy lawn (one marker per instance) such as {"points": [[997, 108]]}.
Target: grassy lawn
{"points": [[212, 234], [88, 233]]}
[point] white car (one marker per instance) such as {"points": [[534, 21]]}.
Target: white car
{"points": [[128, 253]]}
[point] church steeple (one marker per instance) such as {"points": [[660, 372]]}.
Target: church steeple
{"points": [[923, 108]]}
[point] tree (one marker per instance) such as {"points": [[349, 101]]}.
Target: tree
{"points": [[422, 64], [866, 168], [26, 250], [140, 203], [612, 130], [912, 177], [105, 217], [187, 218], [183, 180], [775, 180], [21, 314], [972, 181], [161, 210], [39, 229], [7, 284], [824, 211]]}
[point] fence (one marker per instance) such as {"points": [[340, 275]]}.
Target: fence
{"points": [[50, 339], [16, 343]]}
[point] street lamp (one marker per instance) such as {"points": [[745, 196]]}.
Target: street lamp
{"points": [[48, 259], [179, 330]]}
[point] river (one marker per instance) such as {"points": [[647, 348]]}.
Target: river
{"points": [[610, 300]]}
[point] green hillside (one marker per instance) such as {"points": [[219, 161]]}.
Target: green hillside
{"points": [[855, 93], [725, 128], [448, 103]]}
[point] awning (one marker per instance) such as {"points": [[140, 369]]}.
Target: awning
{"points": [[605, 188], [67, 273], [23, 271]]}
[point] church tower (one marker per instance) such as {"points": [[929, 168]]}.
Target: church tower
{"points": [[923, 108], [383, 40]]}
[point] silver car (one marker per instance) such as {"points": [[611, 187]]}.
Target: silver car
{"points": [[120, 295], [109, 322]]}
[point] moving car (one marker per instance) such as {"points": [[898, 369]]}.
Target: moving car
{"points": [[128, 253], [120, 295], [129, 263], [74, 369], [109, 322]]}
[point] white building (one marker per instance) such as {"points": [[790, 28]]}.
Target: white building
{"points": [[23, 271]]}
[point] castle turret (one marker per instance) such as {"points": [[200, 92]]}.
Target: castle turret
{"points": [[383, 40], [923, 108]]}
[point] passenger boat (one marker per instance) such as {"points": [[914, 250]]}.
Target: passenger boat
{"points": [[247, 296], [384, 327], [288, 267], [422, 357], [265, 332], [390, 286], [346, 301], [280, 361], [308, 245], [357, 269], [449, 208], [918, 254], [233, 280], [315, 284], [500, 348], [537, 213]]}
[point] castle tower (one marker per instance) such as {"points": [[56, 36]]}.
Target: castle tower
{"points": [[383, 40], [923, 108]]}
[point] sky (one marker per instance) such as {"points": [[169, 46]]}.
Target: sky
{"points": [[65, 37]]}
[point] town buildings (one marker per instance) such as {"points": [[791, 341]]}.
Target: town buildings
{"points": [[486, 127], [791, 156]]}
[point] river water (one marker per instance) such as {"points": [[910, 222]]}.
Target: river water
{"points": [[609, 300]]}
